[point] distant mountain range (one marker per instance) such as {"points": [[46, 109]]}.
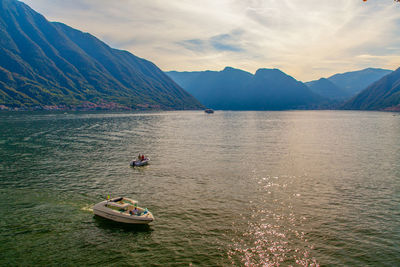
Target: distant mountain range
{"points": [[346, 85], [234, 89], [354, 82], [381, 95], [47, 64], [328, 89], [271, 89]]}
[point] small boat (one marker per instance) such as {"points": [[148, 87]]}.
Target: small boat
{"points": [[139, 163], [209, 111], [123, 210]]}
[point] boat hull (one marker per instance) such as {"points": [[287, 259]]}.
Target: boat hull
{"points": [[139, 163], [101, 210]]}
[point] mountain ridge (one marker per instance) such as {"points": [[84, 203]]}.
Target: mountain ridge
{"points": [[235, 89], [46, 63], [354, 82], [383, 94], [328, 89], [343, 86]]}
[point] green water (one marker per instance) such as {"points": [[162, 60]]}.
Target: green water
{"points": [[297, 188]]}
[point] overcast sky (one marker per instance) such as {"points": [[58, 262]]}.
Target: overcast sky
{"points": [[307, 39]]}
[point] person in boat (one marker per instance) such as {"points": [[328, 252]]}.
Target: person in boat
{"points": [[135, 211], [142, 157], [139, 157]]}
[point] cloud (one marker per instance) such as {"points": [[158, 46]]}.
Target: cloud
{"points": [[227, 42], [305, 38], [194, 45]]}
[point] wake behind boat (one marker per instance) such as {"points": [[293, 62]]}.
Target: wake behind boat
{"points": [[123, 210]]}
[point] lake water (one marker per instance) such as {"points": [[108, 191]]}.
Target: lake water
{"points": [[301, 188]]}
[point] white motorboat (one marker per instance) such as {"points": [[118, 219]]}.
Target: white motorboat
{"points": [[123, 210], [139, 163]]}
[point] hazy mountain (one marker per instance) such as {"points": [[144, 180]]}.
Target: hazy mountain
{"points": [[381, 95], [273, 89], [355, 81], [184, 79], [233, 89], [327, 89], [46, 63], [215, 89]]}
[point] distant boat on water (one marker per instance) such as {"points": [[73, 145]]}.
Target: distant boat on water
{"points": [[140, 161], [209, 111]]}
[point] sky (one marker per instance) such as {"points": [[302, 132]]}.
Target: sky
{"points": [[307, 39]]}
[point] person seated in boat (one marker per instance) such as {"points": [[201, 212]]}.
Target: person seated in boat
{"points": [[139, 157], [135, 211], [132, 211], [142, 157]]}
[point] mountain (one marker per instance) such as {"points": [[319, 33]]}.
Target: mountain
{"points": [[355, 81], [44, 63], [234, 89], [381, 95], [217, 90], [275, 90], [327, 89], [185, 78]]}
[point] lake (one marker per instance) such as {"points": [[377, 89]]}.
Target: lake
{"points": [[301, 188]]}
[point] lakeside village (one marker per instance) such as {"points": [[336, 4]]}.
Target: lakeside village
{"points": [[85, 106]]}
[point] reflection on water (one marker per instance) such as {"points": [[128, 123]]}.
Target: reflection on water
{"points": [[301, 188], [112, 226]]}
